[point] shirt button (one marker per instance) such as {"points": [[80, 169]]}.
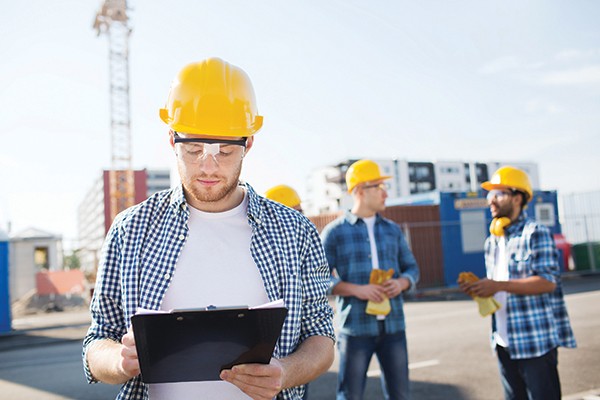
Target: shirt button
{"points": [[167, 276], [181, 237]]}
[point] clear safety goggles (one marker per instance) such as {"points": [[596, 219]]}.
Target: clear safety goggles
{"points": [[385, 186], [499, 195], [196, 150]]}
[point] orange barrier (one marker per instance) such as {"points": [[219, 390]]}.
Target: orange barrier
{"points": [[60, 282]]}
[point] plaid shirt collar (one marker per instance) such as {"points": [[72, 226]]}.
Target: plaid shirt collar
{"points": [[518, 225], [353, 218]]}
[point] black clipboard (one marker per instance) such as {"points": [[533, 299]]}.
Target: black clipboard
{"points": [[186, 346]]}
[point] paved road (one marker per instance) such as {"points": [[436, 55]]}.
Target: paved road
{"points": [[449, 353]]}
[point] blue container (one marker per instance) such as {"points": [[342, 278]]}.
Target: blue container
{"points": [[5, 320]]}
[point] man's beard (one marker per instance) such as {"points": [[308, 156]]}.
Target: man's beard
{"points": [[213, 194], [505, 210]]}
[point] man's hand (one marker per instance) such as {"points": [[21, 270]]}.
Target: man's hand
{"points": [[375, 293], [130, 365], [113, 362], [481, 288], [394, 287], [258, 381]]}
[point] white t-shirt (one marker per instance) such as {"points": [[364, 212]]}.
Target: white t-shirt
{"points": [[500, 273], [370, 222], [215, 268]]}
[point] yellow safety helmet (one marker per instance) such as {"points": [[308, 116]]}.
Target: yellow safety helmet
{"points": [[363, 171], [283, 194], [213, 98], [508, 177]]}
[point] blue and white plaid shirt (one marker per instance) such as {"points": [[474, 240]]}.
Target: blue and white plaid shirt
{"points": [[536, 323], [140, 254], [348, 251]]}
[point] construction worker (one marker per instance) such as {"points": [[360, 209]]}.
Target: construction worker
{"points": [[361, 245], [285, 195], [211, 241], [523, 275]]}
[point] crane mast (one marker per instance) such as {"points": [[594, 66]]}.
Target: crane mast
{"points": [[111, 19]]}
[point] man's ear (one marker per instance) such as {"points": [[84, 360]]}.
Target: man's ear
{"points": [[172, 138], [249, 143]]}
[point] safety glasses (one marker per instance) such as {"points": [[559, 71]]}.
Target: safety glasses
{"points": [[196, 150], [499, 194], [382, 186]]}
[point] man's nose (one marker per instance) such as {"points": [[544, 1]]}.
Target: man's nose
{"points": [[208, 163]]}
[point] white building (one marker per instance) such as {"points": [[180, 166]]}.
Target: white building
{"points": [[327, 191], [580, 216]]}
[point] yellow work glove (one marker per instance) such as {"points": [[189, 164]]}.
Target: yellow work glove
{"points": [[377, 277], [487, 305]]}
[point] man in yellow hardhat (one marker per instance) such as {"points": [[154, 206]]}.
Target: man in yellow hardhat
{"points": [[211, 241], [523, 275], [285, 195], [373, 266]]}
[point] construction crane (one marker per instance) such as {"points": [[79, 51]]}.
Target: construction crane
{"points": [[112, 20]]}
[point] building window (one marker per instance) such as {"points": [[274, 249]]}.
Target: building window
{"points": [[421, 177], [40, 257]]}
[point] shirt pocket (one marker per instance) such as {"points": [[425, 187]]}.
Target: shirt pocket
{"points": [[389, 248], [520, 261]]}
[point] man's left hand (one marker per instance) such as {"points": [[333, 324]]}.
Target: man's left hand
{"points": [[258, 381]]}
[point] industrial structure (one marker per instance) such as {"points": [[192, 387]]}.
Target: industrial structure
{"points": [[112, 20], [96, 213]]}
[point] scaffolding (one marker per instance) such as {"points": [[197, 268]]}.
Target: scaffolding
{"points": [[112, 20]]}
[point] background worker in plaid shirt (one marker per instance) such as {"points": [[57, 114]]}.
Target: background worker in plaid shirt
{"points": [[212, 241], [523, 275], [356, 244]]}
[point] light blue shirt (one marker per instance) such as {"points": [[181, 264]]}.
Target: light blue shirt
{"points": [[348, 250]]}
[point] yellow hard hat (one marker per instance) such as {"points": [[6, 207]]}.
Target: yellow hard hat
{"points": [[213, 98], [283, 194], [363, 171], [508, 177]]}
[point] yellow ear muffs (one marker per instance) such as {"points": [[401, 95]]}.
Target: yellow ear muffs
{"points": [[498, 224]]}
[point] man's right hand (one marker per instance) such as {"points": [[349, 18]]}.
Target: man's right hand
{"points": [[113, 362], [129, 364], [375, 293]]}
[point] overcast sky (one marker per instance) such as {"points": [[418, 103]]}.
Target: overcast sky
{"points": [[423, 81]]}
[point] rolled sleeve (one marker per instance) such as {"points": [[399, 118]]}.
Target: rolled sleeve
{"points": [[545, 256]]}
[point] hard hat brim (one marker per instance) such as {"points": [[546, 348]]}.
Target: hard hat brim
{"points": [[381, 178]]}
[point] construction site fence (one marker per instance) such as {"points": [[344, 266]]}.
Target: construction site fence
{"points": [[423, 231]]}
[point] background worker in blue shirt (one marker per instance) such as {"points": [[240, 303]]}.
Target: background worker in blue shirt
{"points": [[357, 243], [523, 275], [211, 240]]}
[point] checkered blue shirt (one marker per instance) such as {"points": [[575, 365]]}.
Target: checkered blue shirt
{"points": [[536, 323], [348, 251], [140, 254]]}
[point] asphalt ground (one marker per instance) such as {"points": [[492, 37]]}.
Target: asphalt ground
{"points": [[70, 325]]}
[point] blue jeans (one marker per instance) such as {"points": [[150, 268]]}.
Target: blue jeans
{"points": [[355, 355], [529, 378]]}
